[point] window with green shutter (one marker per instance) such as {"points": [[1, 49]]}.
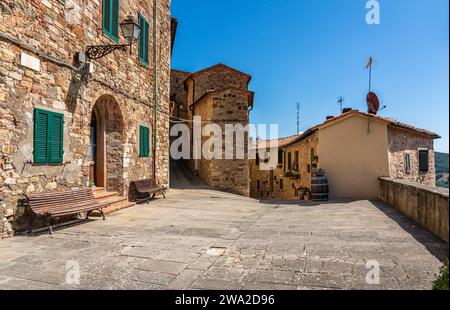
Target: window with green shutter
{"points": [[143, 40], [111, 19], [144, 141], [48, 137]]}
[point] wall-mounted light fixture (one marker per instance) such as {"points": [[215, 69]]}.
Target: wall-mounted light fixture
{"points": [[130, 30]]}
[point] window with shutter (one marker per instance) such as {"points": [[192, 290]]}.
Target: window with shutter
{"points": [[280, 157], [144, 141], [143, 40], [48, 137], [407, 163], [423, 161], [111, 19], [289, 161]]}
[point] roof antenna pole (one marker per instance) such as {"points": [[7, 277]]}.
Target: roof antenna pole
{"points": [[369, 66], [341, 103], [298, 117]]}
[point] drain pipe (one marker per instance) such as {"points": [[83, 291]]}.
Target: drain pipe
{"points": [[155, 90]]}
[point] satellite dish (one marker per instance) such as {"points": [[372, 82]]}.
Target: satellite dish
{"points": [[373, 104]]}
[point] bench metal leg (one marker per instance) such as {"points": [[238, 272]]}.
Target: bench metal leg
{"points": [[31, 224], [103, 214], [49, 223]]}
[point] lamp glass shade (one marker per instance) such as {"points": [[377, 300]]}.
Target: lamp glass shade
{"points": [[130, 29], [136, 31]]}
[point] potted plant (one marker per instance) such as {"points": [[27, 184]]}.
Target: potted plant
{"points": [[307, 195], [301, 193]]}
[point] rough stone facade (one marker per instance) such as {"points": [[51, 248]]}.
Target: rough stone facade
{"points": [[398, 139], [120, 90], [402, 142], [219, 95], [286, 182]]}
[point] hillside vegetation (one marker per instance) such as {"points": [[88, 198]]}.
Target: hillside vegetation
{"points": [[442, 169]]}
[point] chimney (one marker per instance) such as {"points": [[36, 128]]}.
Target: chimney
{"points": [[346, 110]]}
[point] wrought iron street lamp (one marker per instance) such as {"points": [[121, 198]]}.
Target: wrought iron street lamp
{"points": [[130, 30]]}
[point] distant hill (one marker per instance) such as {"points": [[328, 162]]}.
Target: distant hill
{"points": [[442, 169]]}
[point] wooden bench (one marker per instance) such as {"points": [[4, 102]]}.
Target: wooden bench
{"points": [[149, 187], [56, 204]]}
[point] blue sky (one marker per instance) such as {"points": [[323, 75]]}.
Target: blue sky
{"points": [[313, 51]]}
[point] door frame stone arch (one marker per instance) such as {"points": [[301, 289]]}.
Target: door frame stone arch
{"points": [[110, 144]]}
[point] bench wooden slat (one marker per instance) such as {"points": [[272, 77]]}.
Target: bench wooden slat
{"points": [[148, 186], [56, 204]]}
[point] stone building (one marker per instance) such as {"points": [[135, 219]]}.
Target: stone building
{"points": [[354, 149], [219, 95], [61, 128]]}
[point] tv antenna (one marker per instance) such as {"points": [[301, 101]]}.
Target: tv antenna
{"points": [[369, 66], [298, 117], [341, 103]]}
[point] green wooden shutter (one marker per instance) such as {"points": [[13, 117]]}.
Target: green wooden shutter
{"points": [[115, 19], [143, 40], [41, 154], [48, 137], [55, 137], [141, 139], [144, 145], [111, 18]]}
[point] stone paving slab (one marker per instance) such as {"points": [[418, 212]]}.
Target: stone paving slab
{"points": [[190, 241]]}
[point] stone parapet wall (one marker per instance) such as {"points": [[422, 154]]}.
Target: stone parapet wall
{"points": [[426, 205]]}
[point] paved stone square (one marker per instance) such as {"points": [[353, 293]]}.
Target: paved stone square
{"points": [[202, 239]]}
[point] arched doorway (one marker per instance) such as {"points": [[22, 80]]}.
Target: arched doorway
{"points": [[107, 145]]}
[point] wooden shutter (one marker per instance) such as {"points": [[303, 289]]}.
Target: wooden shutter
{"points": [[407, 163], [143, 40], [423, 161], [144, 144], [48, 137], [115, 19], [110, 15], [41, 154], [55, 137], [289, 161]]}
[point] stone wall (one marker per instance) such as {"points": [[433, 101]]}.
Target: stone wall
{"points": [[52, 32], [291, 182], [225, 107], [218, 77], [178, 93], [426, 205], [402, 142]]}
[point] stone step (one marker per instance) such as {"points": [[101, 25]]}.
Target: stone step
{"points": [[98, 189], [103, 196], [117, 203]]}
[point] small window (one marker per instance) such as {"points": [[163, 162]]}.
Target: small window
{"points": [[143, 40], [144, 141], [423, 161], [281, 184], [110, 12], [257, 159], [280, 157], [48, 137], [258, 185], [289, 160], [297, 159], [407, 163]]}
